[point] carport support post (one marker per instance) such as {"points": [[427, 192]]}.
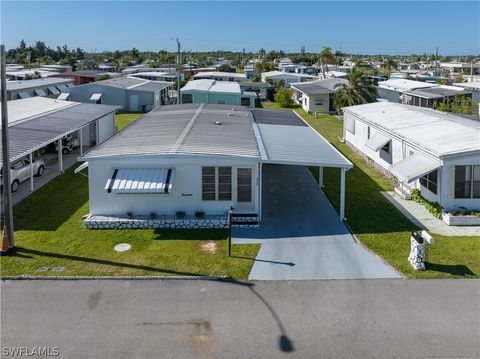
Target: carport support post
{"points": [[60, 156], [81, 141], [342, 194], [30, 157], [320, 177]]}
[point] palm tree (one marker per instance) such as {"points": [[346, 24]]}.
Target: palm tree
{"points": [[135, 54], [358, 91], [326, 57], [389, 65]]}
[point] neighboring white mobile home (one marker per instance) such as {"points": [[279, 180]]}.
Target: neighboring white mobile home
{"points": [[317, 96], [435, 152]]}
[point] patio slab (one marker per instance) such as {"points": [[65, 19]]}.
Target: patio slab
{"points": [[420, 216]]}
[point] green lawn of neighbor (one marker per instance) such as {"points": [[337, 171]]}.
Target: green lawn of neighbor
{"points": [[49, 232], [124, 119], [378, 224]]}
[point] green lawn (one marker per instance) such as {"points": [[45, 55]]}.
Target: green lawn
{"points": [[378, 224], [49, 232], [124, 119]]}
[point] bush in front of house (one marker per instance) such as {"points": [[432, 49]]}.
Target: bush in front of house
{"points": [[433, 207], [284, 97]]}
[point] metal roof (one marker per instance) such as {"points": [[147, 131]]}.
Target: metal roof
{"points": [[188, 129], [291, 143], [276, 117], [320, 87], [35, 132], [274, 136], [212, 86], [28, 84], [134, 83], [437, 92], [404, 85], [439, 132], [220, 74]]}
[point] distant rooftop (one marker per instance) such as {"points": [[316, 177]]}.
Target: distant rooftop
{"points": [[134, 83], [320, 87], [222, 74], [404, 85], [212, 86], [28, 84]]}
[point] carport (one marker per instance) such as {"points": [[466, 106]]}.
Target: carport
{"points": [[37, 122], [284, 138]]}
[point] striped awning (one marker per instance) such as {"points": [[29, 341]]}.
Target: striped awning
{"points": [[140, 180]]}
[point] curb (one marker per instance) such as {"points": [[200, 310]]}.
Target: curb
{"points": [[140, 277]]}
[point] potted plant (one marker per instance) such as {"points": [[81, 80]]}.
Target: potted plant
{"points": [[180, 214]]}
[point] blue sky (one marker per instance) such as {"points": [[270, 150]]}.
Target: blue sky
{"points": [[360, 27]]}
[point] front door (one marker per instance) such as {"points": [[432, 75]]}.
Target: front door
{"points": [[244, 190]]}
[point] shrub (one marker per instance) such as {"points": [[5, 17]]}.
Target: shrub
{"points": [[199, 214], [433, 207], [284, 98], [180, 214]]}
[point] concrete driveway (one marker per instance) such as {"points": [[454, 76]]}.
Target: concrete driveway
{"points": [[302, 236]]}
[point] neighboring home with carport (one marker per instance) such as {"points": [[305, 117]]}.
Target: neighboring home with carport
{"points": [[38, 122], [195, 162], [131, 94], [45, 87], [288, 78], [473, 87], [317, 96], [155, 76], [217, 92], [435, 152]]}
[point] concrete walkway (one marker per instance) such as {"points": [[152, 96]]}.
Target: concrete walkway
{"points": [[302, 236], [421, 217]]}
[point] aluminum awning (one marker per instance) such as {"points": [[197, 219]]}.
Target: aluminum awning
{"points": [[63, 96], [140, 180], [40, 92], [413, 167], [61, 87], [24, 94], [70, 85], [53, 90], [377, 141], [96, 97]]}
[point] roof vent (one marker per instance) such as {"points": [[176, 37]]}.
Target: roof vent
{"points": [[218, 123]]}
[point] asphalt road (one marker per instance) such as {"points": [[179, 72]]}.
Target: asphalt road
{"points": [[380, 318]]}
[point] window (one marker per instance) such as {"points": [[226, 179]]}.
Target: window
{"points": [[187, 98], [386, 147], [245, 101], [216, 183], [467, 181], [244, 184], [319, 101], [221, 102], [430, 181]]}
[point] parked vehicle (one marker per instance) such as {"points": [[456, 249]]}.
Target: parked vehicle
{"points": [[20, 171], [68, 145]]}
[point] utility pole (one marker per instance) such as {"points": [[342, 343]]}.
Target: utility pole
{"points": [[471, 71], [436, 62], [7, 194], [179, 64]]}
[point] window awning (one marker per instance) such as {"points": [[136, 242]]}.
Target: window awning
{"points": [[23, 94], [53, 90], [377, 141], [96, 97], [40, 92], [70, 85], [61, 87], [140, 180], [413, 167], [63, 96]]}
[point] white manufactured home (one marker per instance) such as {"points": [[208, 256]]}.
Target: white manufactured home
{"points": [[189, 165], [435, 152], [317, 96]]}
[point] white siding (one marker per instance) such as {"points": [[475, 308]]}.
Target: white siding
{"points": [[106, 127], [186, 194]]}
